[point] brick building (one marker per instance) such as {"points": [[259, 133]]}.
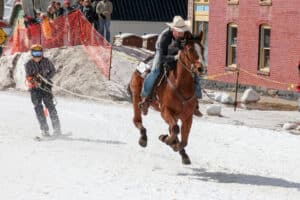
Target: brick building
{"points": [[261, 37]]}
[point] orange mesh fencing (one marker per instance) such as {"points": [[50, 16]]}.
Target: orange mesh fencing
{"points": [[69, 30]]}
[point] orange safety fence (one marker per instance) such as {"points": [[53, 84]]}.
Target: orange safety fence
{"points": [[69, 30]]}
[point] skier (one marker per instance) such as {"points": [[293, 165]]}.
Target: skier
{"points": [[39, 71]]}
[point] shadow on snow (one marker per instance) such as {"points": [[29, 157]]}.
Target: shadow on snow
{"points": [[222, 177]]}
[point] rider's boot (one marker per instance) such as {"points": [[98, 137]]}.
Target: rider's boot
{"points": [[197, 111], [144, 105]]}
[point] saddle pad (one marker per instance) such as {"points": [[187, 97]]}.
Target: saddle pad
{"points": [[142, 67]]}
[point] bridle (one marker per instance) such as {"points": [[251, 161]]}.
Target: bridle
{"points": [[193, 70]]}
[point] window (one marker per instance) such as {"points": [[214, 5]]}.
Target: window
{"points": [[265, 2], [201, 10], [264, 48], [231, 45], [200, 26], [233, 2]]}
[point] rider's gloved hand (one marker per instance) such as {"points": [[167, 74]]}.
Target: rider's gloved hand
{"points": [[176, 57]]}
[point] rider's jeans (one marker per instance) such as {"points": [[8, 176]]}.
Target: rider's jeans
{"points": [[152, 76], [198, 87]]}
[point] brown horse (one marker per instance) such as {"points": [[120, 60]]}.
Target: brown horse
{"points": [[174, 98]]}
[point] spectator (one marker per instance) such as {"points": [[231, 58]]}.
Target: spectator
{"points": [[78, 5], [28, 20], [51, 12], [88, 11], [104, 10], [94, 5], [67, 7], [38, 16], [59, 10]]}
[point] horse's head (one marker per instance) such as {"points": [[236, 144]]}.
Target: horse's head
{"points": [[192, 55]]}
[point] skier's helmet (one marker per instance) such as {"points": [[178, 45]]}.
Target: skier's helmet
{"points": [[36, 47]]}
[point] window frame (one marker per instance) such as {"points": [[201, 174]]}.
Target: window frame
{"points": [[265, 2], [262, 49], [230, 46], [201, 1], [232, 2]]}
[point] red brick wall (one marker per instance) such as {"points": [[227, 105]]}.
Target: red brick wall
{"points": [[282, 16]]}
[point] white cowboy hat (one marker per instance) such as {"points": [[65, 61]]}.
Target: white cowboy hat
{"points": [[179, 24]]}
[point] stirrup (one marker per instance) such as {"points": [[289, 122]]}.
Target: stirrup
{"points": [[144, 105]]}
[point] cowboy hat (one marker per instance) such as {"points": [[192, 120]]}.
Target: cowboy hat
{"points": [[179, 24]]}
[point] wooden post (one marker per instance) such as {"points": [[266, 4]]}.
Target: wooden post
{"points": [[236, 88]]}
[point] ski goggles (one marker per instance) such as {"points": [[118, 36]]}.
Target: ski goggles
{"points": [[37, 53]]}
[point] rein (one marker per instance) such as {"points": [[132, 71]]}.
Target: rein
{"points": [[183, 100], [185, 66]]}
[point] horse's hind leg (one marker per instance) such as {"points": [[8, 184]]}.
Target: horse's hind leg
{"points": [[137, 120], [185, 158]]}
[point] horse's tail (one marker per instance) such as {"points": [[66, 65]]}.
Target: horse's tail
{"points": [[129, 90]]}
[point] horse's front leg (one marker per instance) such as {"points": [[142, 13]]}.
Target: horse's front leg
{"points": [[185, 131], [167, 115]]}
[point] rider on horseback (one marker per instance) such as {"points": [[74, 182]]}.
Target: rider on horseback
{"points": [[173, 36]]}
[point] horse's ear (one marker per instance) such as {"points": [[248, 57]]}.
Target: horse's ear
{"points": [[201, 35], [188, 35], [198, 37]]}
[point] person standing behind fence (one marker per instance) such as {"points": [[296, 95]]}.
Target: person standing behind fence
{"points": [[88, 11], [51, 10], [94, 5], [78, 5], [104, 10], [67, 7], [37, 69], [59, 10]]}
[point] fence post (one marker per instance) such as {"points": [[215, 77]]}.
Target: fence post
{"points": [[236, 88]]}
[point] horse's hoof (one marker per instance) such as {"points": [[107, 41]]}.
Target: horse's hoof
{"points": [[170, 139], [163, 138], [175, 147], [143, 141], [186, 160]]}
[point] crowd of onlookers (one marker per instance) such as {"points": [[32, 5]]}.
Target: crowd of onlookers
{"points": [[97, 12]]}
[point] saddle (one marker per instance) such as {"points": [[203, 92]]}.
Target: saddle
{"points": [[144, 67]]}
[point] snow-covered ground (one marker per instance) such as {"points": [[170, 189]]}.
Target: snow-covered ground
{"points": [[102, 159]]}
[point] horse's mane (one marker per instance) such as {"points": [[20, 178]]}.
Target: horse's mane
{"points": [[193, 37]]}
